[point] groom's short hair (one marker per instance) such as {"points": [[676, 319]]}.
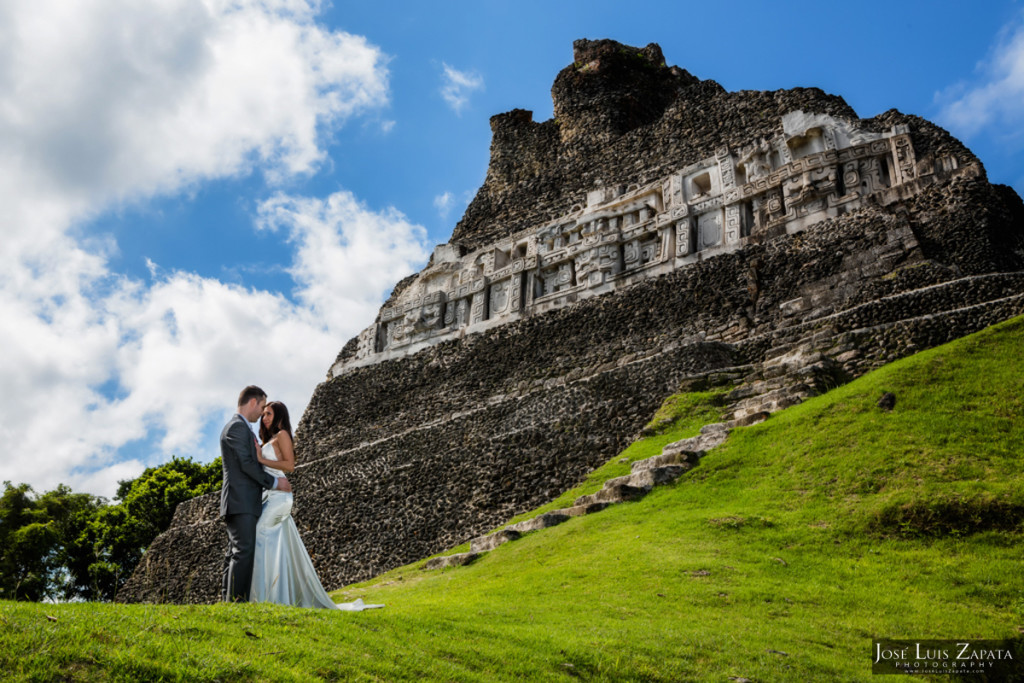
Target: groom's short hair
{"points": [[249, 393]]}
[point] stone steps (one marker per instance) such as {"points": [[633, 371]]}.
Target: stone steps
{"points": [[541, 522], [492, 541], [675, 459], [457, 560]]}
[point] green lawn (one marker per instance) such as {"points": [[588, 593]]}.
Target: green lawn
{"points": [[778, 558]]}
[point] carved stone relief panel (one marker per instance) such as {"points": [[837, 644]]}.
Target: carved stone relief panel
{"points": [[874, 176], [672, 190], [808, 192], [650, 249], [515, 285], [772, 209], [564, 279], [501, 297], [586, 266], [477, 308], [395, 335], [725, 167], [456, 314], [851, 177], [684, 241], [609, 263], [732, 223], [631, 254], [904, 157], [367, 342], [556, 278], [755, 161], [426, 317], [550, 239], [709, 229]]}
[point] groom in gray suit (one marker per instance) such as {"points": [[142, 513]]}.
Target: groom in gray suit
{"points": [[241, 496]]}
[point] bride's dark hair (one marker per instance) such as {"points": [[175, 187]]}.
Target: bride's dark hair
{"points": [[281, 422]]}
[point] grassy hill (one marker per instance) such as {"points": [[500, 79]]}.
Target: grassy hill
{"points": [[778, 558]]}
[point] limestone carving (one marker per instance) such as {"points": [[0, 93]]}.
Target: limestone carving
{"points": [[818, 167]]}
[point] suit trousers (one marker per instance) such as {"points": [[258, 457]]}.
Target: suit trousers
{"points": [[239, 559]]}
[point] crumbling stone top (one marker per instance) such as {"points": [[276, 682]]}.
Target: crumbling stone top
{"points": [[611, 89], [621, 117]]}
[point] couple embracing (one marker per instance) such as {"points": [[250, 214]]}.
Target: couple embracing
{"points": [[266, 559]]}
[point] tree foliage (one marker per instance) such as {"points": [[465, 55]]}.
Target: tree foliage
{"points": [[63, 545]]}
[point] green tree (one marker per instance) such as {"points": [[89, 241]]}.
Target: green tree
{"points": [[27, 544], [66, 545], [69, 515], [121, 533]]}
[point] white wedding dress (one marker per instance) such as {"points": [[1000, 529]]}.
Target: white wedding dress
{"points": [[283, 572]]}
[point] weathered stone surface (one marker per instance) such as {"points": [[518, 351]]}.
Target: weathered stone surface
{"points": [[888, 401], [614, 493], [649, 477], [456, 560], [403, 455], [548, 519], [681, 458], [492, 541], [585, 509], [751, 419], [710, 436]]}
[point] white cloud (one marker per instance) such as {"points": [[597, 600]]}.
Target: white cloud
{"points": [[997, 99], [180, 349], [443, 204], [347, 257], [458, 85], [109, 101], [113, 99]]}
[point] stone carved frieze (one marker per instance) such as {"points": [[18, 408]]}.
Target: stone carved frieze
{"points": [[816, 168], [501, 296], [809, 192]]}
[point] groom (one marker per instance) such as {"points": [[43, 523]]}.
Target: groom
{"points": [[241, 495]]}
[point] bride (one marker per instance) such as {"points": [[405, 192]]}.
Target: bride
{"points": [[283, 572]]}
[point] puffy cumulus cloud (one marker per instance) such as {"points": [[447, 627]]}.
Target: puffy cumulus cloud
{"points": [[347, 257], [108, 101], [997, 99], [456, 86], [177, 351], [105, 100]]}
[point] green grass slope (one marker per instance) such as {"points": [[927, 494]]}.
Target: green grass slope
{"points": [[778, 558]]}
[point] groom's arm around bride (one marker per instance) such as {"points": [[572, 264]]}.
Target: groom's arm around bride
{"points": [[241, 493]]}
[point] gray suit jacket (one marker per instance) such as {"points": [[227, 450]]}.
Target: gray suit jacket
{"points": [[244, 477]]}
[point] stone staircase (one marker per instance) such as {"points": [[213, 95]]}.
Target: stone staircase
{"points": [[675, 459]]}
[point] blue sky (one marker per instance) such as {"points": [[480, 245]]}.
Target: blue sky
{"points": [[202, 194]]}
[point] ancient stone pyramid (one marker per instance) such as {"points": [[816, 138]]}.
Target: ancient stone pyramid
{"points": [[657, 233]]}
